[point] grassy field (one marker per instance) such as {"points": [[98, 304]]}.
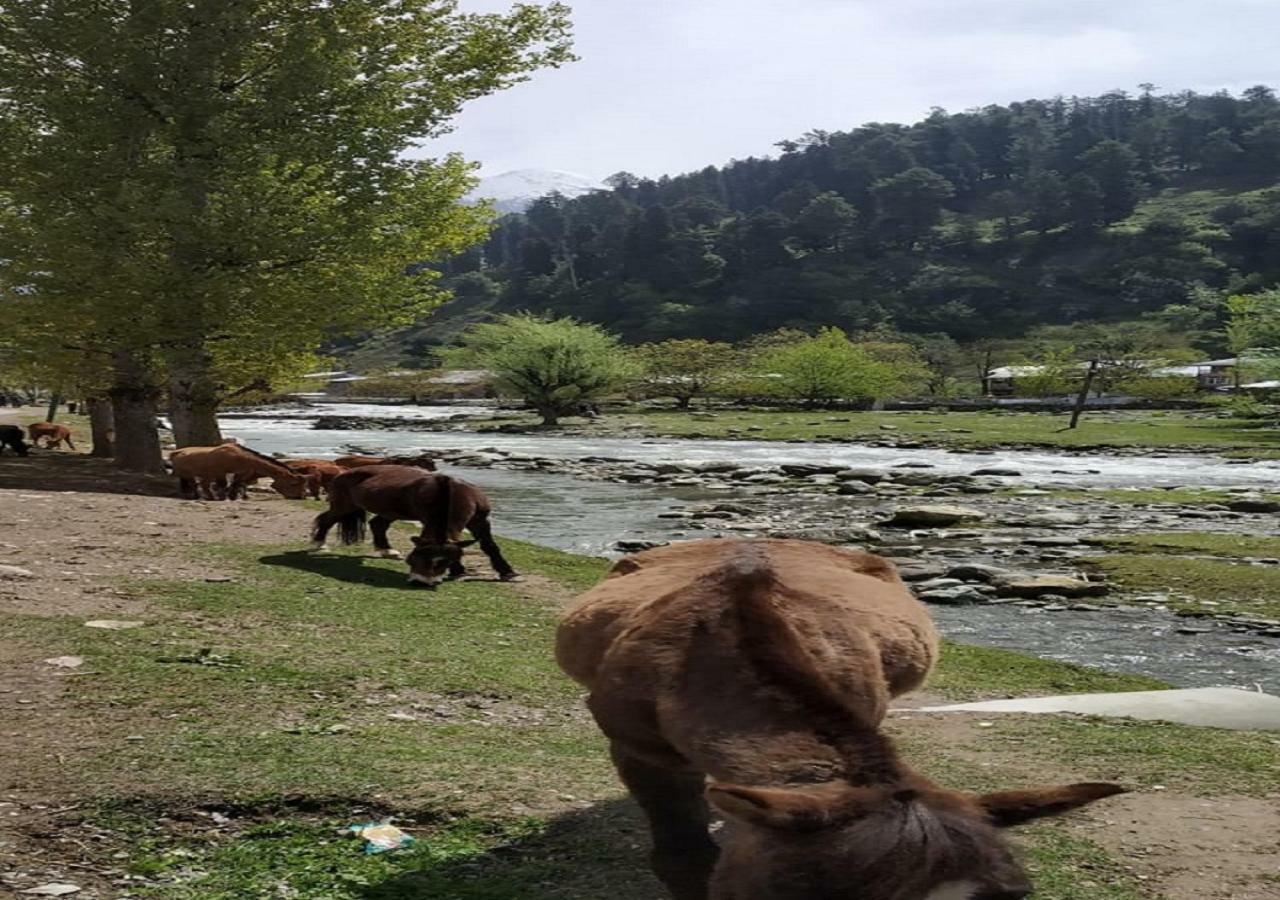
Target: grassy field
{"points": [[1199, 542], [1196, 584], [310, 693], [959, 429]]}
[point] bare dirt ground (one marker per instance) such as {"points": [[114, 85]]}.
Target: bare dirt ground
{"points": [[84, 532]]}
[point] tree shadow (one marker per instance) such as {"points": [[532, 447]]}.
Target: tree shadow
{"points": [[352, 569], [60, 470], [584, 855]]}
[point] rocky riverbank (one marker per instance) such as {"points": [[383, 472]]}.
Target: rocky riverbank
{"points": [[989, 536]]}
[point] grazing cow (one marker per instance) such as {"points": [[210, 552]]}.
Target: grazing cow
{"points": [[356, 462], [753, 676], [445, 506], [52, 433], [11, 436], [204, 471]]}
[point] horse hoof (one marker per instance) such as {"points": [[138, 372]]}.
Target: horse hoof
{"points": [[391, 554], [320, 548], [513, 577]]}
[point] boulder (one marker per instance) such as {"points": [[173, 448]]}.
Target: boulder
{"points": [[1049, 520], [806, 469], [936, 584], [919, 571], [960, 595], [997, 472], [867, 476], [630, 546], [977, 572], [854, 488], [1056, 586], [1253, 505], [933, 516], [916, 479]]}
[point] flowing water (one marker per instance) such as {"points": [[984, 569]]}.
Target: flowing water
{"points": [[590, 516]]}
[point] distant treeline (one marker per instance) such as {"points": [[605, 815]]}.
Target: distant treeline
{"points": [[975, 224]]}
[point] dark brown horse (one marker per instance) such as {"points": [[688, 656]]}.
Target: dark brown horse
{"points": [[445, 506], [358, 462], [752, 677], [11, 436]]}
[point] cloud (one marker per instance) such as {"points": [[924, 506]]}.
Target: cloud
{"points": [[670, 85]]}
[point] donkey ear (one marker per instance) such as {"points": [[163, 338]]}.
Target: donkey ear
{"points": [[796, 809], [1009, 808]]}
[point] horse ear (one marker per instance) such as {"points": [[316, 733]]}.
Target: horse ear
{"points": [[792, 809], [1009, 808]]}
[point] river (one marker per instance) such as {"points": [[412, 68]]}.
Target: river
{"points": [[590, 516]]}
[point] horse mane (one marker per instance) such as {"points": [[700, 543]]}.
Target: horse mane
{"points": [[777, 653], [270, 460]]}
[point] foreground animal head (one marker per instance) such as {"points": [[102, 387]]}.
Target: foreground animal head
{"points": [[429, 562], [843, 842]]}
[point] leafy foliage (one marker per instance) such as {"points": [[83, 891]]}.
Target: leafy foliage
{"points": [[829, 367], [556, 365], [685, 369]]}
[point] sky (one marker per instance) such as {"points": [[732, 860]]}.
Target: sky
{"points": [[668, 86]]}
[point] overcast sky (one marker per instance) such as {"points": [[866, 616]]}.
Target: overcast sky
{"points": [[666, 86]]}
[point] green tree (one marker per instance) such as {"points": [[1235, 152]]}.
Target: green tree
{"points": [[826, 224], [1114, 167], [554, 365], [828, 367], [1085, 206], [220, 185], [686, 368], [911, 203]]}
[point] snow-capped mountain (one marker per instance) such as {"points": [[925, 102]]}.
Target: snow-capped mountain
{"points": [[514, 191]]}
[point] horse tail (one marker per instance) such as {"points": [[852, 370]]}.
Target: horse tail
{"points": [[351, 527]]}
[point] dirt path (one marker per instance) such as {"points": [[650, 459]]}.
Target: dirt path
{"points": [[85, 534]]}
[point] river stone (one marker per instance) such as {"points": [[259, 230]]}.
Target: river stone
{"points": [[936, 584], [1049, 520], [933, 516], [918, 571], [867, 476], [912, 464], [806, 469], [1052, 541], [1253, 505], [715, 466], [854, 488], [1042, 586], [15, 572], [916, 479], [635, 546], [960, 595], [977, 572], [997, 472]]}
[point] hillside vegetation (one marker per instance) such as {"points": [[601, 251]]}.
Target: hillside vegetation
{"points": [[980, 224]]}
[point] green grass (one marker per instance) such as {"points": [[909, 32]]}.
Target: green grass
{"points": [[1211, 543], [959, 429], [1230, 587], [968, 672], [1146, 496], [273, 694]]}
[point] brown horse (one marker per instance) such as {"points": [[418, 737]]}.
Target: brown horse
{"points": [[208, 468], [52, 433], [357, 462], [755, 675], [445, 506], [321, 473]]}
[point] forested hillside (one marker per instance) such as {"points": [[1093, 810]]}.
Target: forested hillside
{"points": [[975, 224]]}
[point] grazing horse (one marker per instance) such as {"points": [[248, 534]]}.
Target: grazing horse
{"points": [[208, 468], [444, 505], [753, 676], [356, 462], [11, 436], [52, 433], [321, 473]]}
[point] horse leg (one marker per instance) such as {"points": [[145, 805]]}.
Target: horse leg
{"points": [[683, 853], [378, 526], [479, 526], [188, 489], [70, 446]]}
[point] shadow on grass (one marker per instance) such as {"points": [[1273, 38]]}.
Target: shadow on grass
{"points": [[586, 855], [352, 569]]}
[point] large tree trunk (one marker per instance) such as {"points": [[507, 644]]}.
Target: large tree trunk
{"points": [[54, 402], [193, 398], [133, 405], [100, 423]]}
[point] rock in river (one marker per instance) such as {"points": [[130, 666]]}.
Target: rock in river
{"points": [[868, 476], [997, 472], [1253, 505], [960, 595], [1044, 585], [933, 516]]}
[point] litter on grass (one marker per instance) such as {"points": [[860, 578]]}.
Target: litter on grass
{"points": [[380, 837]]}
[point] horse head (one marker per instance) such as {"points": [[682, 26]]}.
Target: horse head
{"points": [[430, 562]]}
